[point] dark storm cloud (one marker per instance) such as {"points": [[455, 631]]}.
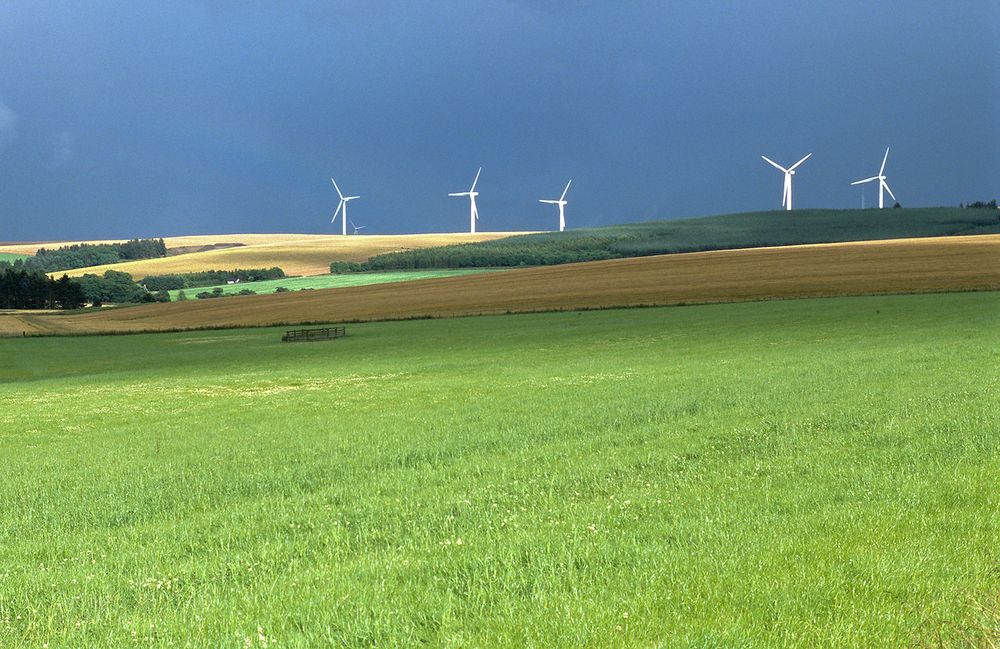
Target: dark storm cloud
{"points": [[188, 117]]}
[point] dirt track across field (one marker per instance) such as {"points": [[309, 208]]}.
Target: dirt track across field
{"points": [[891, 266]]}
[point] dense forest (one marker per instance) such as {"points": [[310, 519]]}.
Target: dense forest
{"points": [[747, 230], [25, 289], [116, 287], [21, 289], [210, 278], [88, 254]]}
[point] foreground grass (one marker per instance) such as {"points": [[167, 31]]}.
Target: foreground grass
{"points": [[328, 281], [800, 473]]}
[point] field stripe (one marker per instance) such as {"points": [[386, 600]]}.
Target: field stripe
{"points": [[879, 267], [296, 254]]}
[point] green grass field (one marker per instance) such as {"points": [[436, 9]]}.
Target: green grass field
{"points": [[11, 257], [329, 281], [807, 473]]}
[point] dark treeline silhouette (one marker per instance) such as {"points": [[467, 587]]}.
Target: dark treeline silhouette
{"points": [[210, 278], [21, 289], [88, 254], [115, 287], [990, 205]]}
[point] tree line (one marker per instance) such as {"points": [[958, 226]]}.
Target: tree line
{"points": [[82, 255], [990, 205], [541, 250], [177, 281], [26, 289], [21, 289]]}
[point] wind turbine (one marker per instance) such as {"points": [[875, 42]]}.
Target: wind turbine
{"points": [[357, 227], [472, 193], [562, 206], [882, 185], [342, 206], [786, 194]]}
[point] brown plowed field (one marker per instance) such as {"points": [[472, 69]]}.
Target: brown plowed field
{"points": [[892, 266], [296, 254]]}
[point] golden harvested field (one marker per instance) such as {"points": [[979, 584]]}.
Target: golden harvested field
{"points": [[296, 254], [891, 266], [13, 324], [249, 239]]}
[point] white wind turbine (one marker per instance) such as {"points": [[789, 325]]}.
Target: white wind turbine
{"points": [[342, 206], [786, 194], [357, 227], [882, 185], [562, 206], [472, 193]]}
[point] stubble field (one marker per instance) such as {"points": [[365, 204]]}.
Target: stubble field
{"points": [[795, 473]]}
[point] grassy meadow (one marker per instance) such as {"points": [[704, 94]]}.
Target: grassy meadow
{"points": [[813, 473], [267, 287]]}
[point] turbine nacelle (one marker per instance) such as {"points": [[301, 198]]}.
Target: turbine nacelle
{"points": [[883, 186], [342, 206], [472, 193], [562, 202], [786, 192]]}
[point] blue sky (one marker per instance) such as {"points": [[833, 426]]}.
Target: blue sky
{"points": [[142, 119]]}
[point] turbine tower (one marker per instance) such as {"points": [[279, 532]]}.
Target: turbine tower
{"points": [[472, 193], [882, 185], [342, 207], [786, 194], [562, 206]]}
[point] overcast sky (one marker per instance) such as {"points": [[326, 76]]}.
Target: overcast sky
{"points": [[142, 119]]}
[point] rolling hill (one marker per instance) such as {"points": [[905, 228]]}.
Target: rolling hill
{"points": [[744, 230], [296, 254], [892, 266]]}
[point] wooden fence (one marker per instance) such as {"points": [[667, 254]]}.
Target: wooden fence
{"points": [[306, 335]]}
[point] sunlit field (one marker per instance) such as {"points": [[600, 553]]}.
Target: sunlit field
{"points": [[795, 473], [295, 254], [891, 266], [327, 281]]}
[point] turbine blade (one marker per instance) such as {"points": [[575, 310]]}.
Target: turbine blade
{"points": [[866, 180], [799, 162], [785, 191], [545, 200], [338, 188], [566, 190], [476, 180], [886, 185], [339, 206], [884, 158], [460, 194], [774, 164]]}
